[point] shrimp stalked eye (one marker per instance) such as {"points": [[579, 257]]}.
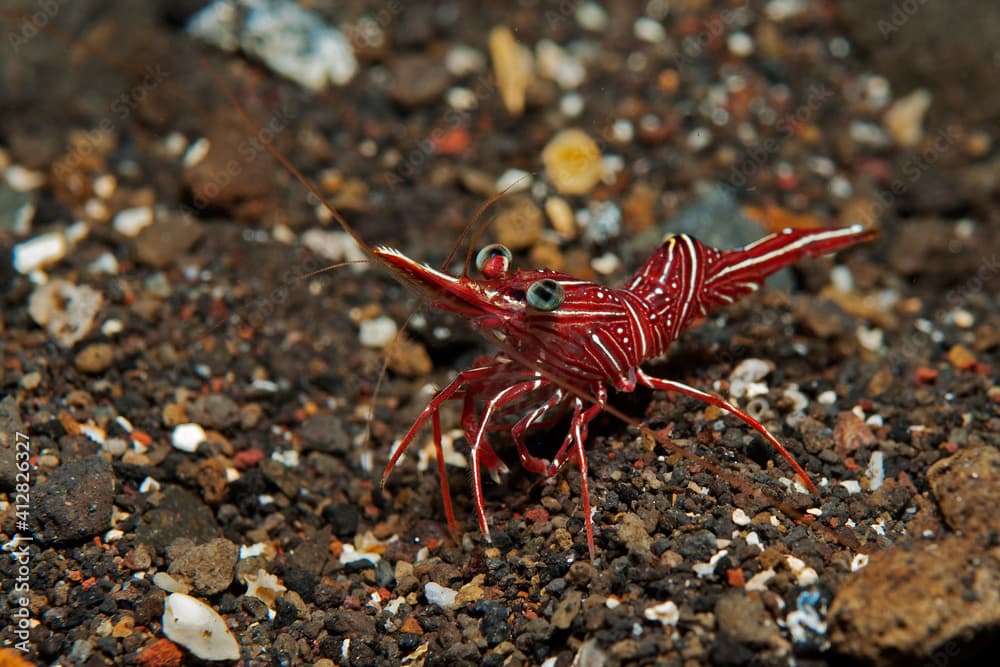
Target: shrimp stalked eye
{"points": [[493, 260], [545, 294]]}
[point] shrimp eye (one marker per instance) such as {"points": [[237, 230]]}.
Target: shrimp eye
{"points": [[545, 294], [493, 260]]}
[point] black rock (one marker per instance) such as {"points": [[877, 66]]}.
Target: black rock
{"points": [[179, 514], [342, 519], [75, 502], [325, 433]]}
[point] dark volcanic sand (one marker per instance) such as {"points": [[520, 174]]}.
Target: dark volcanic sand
{"points": [[884, 366]]}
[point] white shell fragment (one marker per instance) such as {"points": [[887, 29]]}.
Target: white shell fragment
{"points": [[198, 628], [335, 246], [666, 613], [377, 332], [439, 595], [292, 41], [166, 582], [130, 221], [66, 310], [187, 437], [38, 252], [745, 380], [759, 581], [264, 586], [804, 575], [875, 472], [852, 486], [859, 561]]}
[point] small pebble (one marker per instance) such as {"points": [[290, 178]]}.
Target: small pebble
{"points": [[95, 358], [649, 30], [852, 486], [463, 60], [39, 252], [744, 380], [963, 318], [417, 80], [105, 263], [904, 119], [196, 152], [161, 243], [591, 16], [759, 581], [377, 332], [76, 500], [187, 437], [666, 613], [740, 517], [161, 653], [512, 67], [66, 310], [290, 39], [437, 594], [572, 162], [335, 246], [31, 381], [606, 264], [871, 339], [561, 216], [22, 179], [828, 397], [115, 446], [264, 586], [571, 105], [520, 223], [555, 64], [859, 561], [804, 575], [129, 222], [875, 472], [961, 357], [461, 99], [112, 327], [699, 138], [740, 44], [105, 186], [605, 223], [513, 180], [868, 134]]}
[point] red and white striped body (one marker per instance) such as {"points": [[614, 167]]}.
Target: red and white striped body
{"points": [[561, 359]]}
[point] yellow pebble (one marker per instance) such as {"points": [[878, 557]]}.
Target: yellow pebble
{"points": [[513, 67], [573, 162]]}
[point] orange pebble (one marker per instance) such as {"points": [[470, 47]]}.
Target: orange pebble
{"points": [[161, 653], [452, 141], [411, 626]]}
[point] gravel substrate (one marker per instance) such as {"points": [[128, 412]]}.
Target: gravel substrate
{"points": [[195, 417]]}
